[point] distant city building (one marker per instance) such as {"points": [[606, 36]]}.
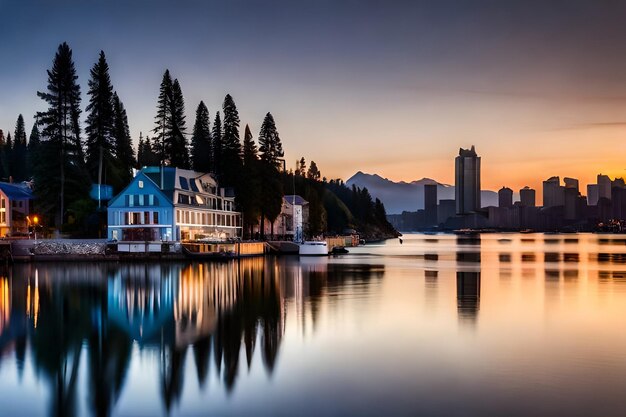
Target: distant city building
{"points": [[571, 183], [445, 210], [618, 183], [527, 197], [430, 204], [467, 181], [571, 203], [604, 186], [553, 192], [592, 194], [505, 197]]}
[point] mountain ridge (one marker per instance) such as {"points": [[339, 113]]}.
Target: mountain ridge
{"points": [[408, 196]]}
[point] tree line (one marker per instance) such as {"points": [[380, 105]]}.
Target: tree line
{"points": [[63, 161]]}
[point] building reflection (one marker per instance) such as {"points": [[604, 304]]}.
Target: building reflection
{"points": [[100, 316], [468, 278]]}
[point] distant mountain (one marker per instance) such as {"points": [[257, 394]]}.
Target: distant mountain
{"points": [[409, 196]]}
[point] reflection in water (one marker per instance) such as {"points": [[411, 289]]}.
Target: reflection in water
{"points": [[468, 295], [284, 336], [216, 310]]}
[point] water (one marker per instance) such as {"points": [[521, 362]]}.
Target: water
{"points": [[504, 324]]}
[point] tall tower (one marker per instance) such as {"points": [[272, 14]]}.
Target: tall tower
{"points": [[467, 181], [430, 204]]}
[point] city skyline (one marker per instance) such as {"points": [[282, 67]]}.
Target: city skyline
{"points": [[536, 87]]}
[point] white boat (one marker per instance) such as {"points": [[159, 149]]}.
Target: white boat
{"points": [[313, 248]]}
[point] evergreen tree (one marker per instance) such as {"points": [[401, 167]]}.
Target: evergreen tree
{"points": [[177, 146], [99, 123], [151, 154], [163, 118], [313, 173], [141, 151], [231, 145], [248, 192], [4, 168], [123, 145], [201, 141], [33, 148], [269, 142], [271, 151], [60, 175], [301, 171], [18, 156], [8, 155], [216, 135]]}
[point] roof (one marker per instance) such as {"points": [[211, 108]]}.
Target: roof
{"points": [[295, 199], [16, 191]]}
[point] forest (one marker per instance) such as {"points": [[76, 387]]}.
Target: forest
{"points": [[65, 156]]}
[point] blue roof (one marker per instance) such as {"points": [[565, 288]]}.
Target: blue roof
{"points": [[295, 199], [16, 191]]}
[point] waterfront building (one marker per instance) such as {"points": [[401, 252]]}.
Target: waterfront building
{"points": [[553, 192], [592, 194], [467, 181], [430, 204], [172, 204], [571, 203], [505, 197], [604, 186], [15, 207], [527, 197]]}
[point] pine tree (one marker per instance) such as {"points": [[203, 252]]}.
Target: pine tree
{"points": [[18, 157], [4, 168], [269, 142], [8, 155], [313, 173], [33, 148], [151, 154], [271, 151], [123, 145], [177, 147], [201, 141], [99, 121], [231, 145], [216, 135], [163, 118], [60, 175], [301, 171], [248, 192]]}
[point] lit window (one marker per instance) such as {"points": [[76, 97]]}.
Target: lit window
{"points": [[140, 184]]}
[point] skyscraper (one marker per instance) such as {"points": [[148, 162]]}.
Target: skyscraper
{"points": [[467, 181], [604, 186], [553, 192], [527, 196], [430, 204], [505, 197]]}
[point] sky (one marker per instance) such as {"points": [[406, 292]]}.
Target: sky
{"points": [[386, 87]]}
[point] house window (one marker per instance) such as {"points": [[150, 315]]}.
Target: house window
{"points": [[151, 199], [177, 216], [3, 216], [140, 184], [141, 199], [4, 203], [131, 200], [155, 217], [146, 217]]}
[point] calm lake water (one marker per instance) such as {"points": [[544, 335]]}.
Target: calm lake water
{"points": [[501, 324]]}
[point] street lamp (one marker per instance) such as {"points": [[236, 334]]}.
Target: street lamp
{"points": [[36, 222]]}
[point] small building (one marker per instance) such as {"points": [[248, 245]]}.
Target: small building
{"points": [[172, 204], [15, 207], [293, 220]]}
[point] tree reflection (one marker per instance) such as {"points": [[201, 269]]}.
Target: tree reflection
{"points": [[65, 316]]}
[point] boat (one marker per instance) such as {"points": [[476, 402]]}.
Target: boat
{"points": [[339, 250], [313, 248]]}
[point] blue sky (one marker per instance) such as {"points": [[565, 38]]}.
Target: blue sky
{"points": [[388, 87]]}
